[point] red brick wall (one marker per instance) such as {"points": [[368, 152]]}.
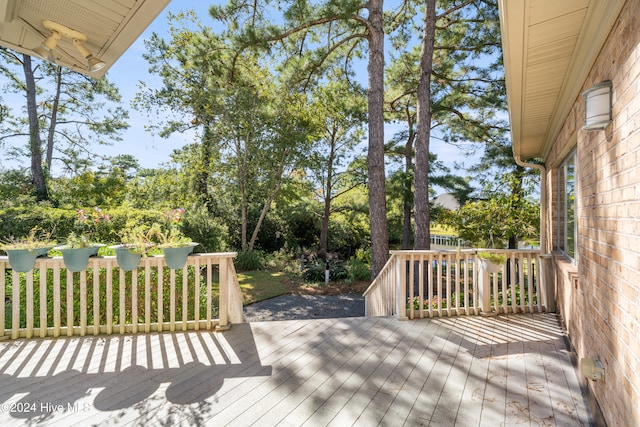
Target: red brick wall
{"points": [[602, 312]]}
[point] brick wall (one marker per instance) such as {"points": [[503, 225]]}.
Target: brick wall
{"points": [[602, 313]]}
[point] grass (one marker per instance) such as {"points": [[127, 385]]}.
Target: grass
{"points": [[259, 285]]}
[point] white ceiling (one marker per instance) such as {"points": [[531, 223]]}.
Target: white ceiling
{"points": [[111, 26]]}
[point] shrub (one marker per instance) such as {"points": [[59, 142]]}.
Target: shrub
{"points": [[358, 270], [249, 260], [200, 226], [313, 270]]}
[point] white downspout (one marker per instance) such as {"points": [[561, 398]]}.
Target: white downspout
{"points": [[545, 255], [543, 201]]}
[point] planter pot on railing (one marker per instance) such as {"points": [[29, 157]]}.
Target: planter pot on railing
{"points": [[176, 257], [490, 266], [23, 260], [76, 259], [126, 255]]}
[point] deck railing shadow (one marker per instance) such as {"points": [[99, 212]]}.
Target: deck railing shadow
{"points": [[497, 336], [109, 373]]}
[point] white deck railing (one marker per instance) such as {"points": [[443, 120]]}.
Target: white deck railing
{"points": [[103, 299], [445, 283]]}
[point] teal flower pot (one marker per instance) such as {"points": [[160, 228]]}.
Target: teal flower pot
{"points": [[23, 260], [127, 258], [76, 259], [176, 257]]}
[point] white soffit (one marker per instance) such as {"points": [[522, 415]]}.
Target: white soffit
{"points": [[111, 26], [549, 47]]}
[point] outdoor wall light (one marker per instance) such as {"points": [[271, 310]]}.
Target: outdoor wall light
{"points": [[45, 50], [592, 368], [93, 63], [597, 106]]}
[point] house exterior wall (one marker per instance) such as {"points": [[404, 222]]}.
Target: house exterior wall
{"points": [[598, 293]]}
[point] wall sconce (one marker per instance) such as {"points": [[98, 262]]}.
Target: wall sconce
{"points": [[597, 106], [592, 368], [45, 50]]}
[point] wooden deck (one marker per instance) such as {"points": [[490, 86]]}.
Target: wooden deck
{"points": [[487, 371]]}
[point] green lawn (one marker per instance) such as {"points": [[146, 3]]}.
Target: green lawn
{"points": [[260, 285]]}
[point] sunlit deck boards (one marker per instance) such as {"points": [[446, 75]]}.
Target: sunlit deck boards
{"points": [[492, 371]]}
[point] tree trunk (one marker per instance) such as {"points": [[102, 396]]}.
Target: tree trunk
{"points": [[35, 144], [407, 197], [54, 119], [267, 204], [324, 230], [377, 194], [421, 199]]}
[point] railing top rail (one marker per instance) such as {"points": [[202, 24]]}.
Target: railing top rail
{"points": [[464, 251], [374, 283], [5, 258]]}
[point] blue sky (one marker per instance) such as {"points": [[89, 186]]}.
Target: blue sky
{"points": [[153, 150], [130, 69]]}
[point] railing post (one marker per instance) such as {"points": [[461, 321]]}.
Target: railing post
{"points": [[223, 309], [546, 283], [401, 288], [484, 288]]}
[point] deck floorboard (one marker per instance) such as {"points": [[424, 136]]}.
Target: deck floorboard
{"points": [[458, 371]]}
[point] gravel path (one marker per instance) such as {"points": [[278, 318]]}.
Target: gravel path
{"points": [[292, 307]]}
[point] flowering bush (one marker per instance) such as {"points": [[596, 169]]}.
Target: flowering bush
{"points": [[88, 225], [170, 234]]}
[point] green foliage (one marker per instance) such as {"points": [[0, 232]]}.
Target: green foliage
{"points": [[358, 270], [313, 270], [493, 257], [89, 189], [14, 184], [138, 239], [503, 217], [115, 292], [249, 260], [202, 227], [37, 238]]}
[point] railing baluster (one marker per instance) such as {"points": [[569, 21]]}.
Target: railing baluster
{"points": [[43, 299], [411, 288], [69, 288], [449, 294], [121, 301], [196, 297], [56, 300], [209, 291], [134, 301], [83, 302], [3, 287], [96, 301], [147, 296], [172, 300], [29, 304], [109, 298], [15, 315], [185, 297], [160, 268]]}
